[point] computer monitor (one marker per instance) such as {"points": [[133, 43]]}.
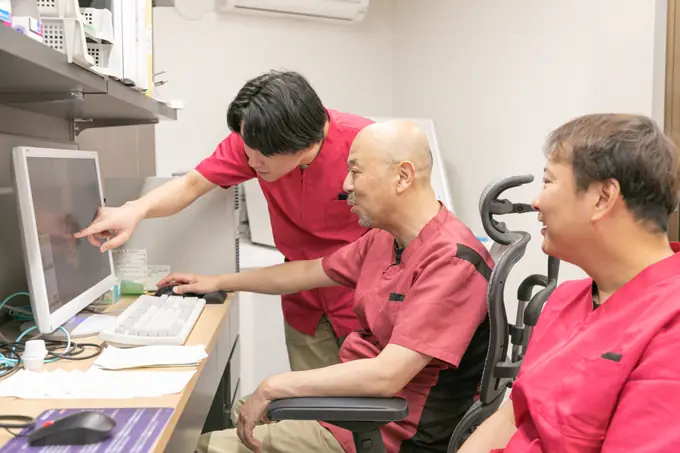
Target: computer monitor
{"points": [[58, 193]]}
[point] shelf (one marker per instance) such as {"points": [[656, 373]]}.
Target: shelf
{"points": [[37, 78], [28, 66]]}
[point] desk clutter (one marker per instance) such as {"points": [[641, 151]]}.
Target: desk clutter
{"points": [[103, 381], [133, 430]]}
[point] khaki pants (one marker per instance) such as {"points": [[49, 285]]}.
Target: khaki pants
{"points": [[287, 436], [308, 353]]}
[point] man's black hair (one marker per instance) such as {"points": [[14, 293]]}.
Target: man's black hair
{"points": [[278, 113]]}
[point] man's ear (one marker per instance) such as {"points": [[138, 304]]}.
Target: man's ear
{"points": [[406, 174], [606, 195]]}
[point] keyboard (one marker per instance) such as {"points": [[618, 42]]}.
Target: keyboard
{"points": [[152, 320]]}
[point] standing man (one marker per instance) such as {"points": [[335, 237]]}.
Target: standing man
{"points": [[297, 149]]}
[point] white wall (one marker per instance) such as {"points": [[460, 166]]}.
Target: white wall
{"points": [[497, 78], [209, 59]]}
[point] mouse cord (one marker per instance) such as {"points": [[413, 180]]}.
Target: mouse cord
{"points": [[10, 422]]}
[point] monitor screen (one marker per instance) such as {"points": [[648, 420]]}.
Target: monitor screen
{"points": [[66, 197], [63, 197]]}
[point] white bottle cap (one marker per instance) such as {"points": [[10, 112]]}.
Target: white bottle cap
{"points": [[34, 355]]}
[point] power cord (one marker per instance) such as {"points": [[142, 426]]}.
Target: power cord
{"points": [[10, 357], [10, 351], [9, 422]]}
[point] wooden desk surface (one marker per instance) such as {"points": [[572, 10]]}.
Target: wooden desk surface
{"points": [[205, 332]]}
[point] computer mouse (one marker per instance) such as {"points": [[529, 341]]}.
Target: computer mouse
{"points": [[81, 428], [217, 297], [167, 290]]}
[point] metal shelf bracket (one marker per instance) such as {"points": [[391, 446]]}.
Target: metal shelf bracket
{"points": [[80, 125], [32, 98]]}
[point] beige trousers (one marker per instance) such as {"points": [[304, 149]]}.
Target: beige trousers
{"points": [[287, 436], [308, 353]]}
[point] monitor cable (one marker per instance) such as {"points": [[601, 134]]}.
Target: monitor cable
{"points": [[10, 351]]}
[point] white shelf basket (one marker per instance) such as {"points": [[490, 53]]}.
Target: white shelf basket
{"points": [[68, 37], [99, 24], [63, 9], [103, 61]]}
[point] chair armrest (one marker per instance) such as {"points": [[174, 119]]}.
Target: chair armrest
{"points": [[339, 409]]}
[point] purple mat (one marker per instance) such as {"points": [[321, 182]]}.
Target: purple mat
{"points": [[136, 431]]}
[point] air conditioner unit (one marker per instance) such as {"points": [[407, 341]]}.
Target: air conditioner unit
{"points": [[328, 10]]}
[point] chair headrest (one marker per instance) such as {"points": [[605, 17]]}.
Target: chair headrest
{"points": [[490, 205]]}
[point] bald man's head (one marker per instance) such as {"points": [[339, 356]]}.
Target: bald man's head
{"points": [[388, 161], [394, 141]]}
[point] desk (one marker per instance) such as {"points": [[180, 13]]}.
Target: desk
{"points": [[217, 329]]}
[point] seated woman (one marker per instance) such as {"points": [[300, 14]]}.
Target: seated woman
{"points": [[602, 372]]}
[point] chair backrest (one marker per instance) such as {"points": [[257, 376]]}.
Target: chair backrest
{"points": [[501, 368], [508, 341]]}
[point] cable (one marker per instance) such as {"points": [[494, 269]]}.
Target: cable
{"points": [[12, 296], [24, 310], [9, 422], [10, 351]]}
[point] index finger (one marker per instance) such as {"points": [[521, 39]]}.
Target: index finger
{"points": [[92, 229], [175, 277], [165, 280], [245, 433]]}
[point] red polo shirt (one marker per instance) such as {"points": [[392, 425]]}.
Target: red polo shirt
{"points": [[604, 379], [308, 220], [430, 298]]}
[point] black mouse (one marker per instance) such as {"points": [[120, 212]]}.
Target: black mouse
{"points": [[81, 428], [217, 297]]}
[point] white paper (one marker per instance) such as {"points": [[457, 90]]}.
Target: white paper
{"points": [[130, 264], [155, 273], [94, 384], [150, 356]]}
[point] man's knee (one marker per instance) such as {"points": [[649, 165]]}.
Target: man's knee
{"points": [[204, 443], [226, 441]]}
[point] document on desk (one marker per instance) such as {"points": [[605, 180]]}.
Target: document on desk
{"points": [[94, 384], [150, 356]]}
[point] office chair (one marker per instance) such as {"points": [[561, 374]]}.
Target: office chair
{"points": [[364, 416], [501, 368]]}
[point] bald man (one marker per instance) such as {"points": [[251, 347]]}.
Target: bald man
{"points": [[420, 280]]}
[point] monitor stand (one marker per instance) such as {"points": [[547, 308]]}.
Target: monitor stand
{"points": [[80, 326]]}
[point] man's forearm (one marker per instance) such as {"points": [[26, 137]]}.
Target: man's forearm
{"points": [[494, 433], [172, 197], [364, 377], [286, 278]]}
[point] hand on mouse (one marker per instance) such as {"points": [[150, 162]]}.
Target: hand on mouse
{"points": [[192, 283]]}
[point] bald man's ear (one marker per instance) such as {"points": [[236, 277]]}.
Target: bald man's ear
{"points": [[407, 175]]}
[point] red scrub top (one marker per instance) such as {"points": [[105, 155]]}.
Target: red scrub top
{"points": [[307, 217], [604, 379], [431, 298]]}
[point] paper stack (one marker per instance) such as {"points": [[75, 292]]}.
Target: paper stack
{"points": [[94, 384], [150, 356]]}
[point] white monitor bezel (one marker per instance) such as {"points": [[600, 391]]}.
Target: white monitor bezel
{"points": [[47, 322]]}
